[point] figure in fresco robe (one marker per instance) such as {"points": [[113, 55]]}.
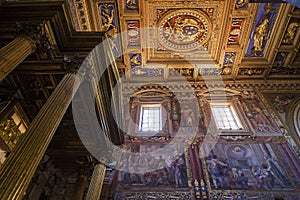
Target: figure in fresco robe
{"points": [[215, 168], [187, 116], [277, 173]]}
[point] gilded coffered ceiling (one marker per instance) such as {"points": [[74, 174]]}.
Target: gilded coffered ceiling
{"points": [[196, 39]]}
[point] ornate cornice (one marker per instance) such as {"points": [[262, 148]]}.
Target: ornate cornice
{"points": [[200, 86]]}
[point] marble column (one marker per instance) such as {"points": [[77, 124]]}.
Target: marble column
{"points": [[19, 168], [94, 191], [15, 53]]}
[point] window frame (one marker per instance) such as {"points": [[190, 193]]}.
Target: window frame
{"points": [[236, 113]]}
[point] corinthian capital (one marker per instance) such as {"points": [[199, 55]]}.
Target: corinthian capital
{"points": [[37, 35]]}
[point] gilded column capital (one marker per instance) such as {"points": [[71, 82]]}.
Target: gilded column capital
{"points": [[37, 36]]}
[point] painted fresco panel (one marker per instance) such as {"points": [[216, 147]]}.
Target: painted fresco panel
{"points": [[259, 117], [244, 166], [169, 170]]}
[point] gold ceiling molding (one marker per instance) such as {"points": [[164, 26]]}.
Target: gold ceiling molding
{"points": [[200, 86], [80, 14]]}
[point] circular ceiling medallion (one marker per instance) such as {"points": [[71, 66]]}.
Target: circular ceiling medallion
{"points": [[184, 30]]}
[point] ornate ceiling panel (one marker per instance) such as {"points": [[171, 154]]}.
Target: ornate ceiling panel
{"points": [[234, 39]]}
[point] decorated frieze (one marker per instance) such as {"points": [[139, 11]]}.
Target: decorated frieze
{"points": [[80, 15], [133, 33], [261, 30], [186, 72], [147, 72], [154, 195], [251, 71], [131, 5], [235, 31], [209, 71]]}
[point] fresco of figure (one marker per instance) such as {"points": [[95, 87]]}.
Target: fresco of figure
{"points": [[187, 116], [215, 168]]}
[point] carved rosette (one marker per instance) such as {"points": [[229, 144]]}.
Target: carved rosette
{"points": [[184, 30]]}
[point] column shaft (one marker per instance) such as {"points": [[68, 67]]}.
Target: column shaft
{"points": [[95, 187], [20, 166], [79, 187], [14, 53]]}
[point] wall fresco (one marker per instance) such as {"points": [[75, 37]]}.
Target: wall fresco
{"points": [[281, 102], [260, 119], [171, 173], [245, 166]]}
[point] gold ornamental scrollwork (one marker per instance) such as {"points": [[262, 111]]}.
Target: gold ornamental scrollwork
{"points": [[184, 30], [10, 133]]}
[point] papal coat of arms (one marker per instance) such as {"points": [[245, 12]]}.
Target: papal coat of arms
{"points": [[184, 30]]}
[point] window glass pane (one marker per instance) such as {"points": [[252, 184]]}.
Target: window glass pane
{"points": [[150, 119], [225, 117]]}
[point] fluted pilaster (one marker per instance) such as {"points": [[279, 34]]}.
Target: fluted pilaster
{"points": [[14, 53], [20, 166], [95, 187]]}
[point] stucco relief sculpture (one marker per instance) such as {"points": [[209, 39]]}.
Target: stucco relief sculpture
{"points": [[260, 35], [291, 33], [240, 3]]}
